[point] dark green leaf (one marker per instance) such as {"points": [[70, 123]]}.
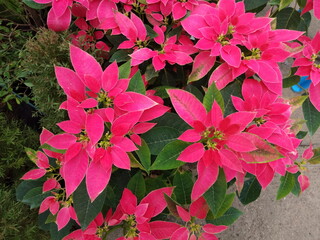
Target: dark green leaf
{"points": [[167, 158], [301, 134], [136, 84], [34, 5], [288, 18], [172, 120], [183, 186], [144, 155], [213, 94], [151, 33], [34, 197], [154, 183], [253, 4], [311, 115], [286, 185], [305, 21], [161, 91], [158, 137], [233, 89], [302, 3], [124, 70], [217, 193], [26, 186], [85, 209], [137, 185], [195, 91], [150, 73], [120, 56], [296, 190], [58, 235], [290, 81], [227, 203], [251, 191], [228, 218]]}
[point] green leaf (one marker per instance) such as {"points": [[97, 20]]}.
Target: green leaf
{"points": [[137, 185], [136, 84], [217, 193], [296, 190], [213, 94], [172, 120], [124, 70], [26, 186], [286, 185], [284, 3], [167, 158], [253, 4], [32, 154], [288, 18], [51, 218], [34, 197], [251, 191], [150, 73], [195, 91], [316, 157], [227, 203], [85, 209], [290, 81], [302, 3], [228, 218], [183, 186], [161, 91], [172, 205], [311, 115], [120, 56], [154, 183], [58, 235], [144, 155], [233, 89], [151, 33], [297, 101], [34, 5], [158, 137], [52, 149], [301, 134], [305, 21]]}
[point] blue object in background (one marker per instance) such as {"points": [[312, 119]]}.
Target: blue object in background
{"points": [[304, 82]]}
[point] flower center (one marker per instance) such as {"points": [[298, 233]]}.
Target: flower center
{"points": [[211, 138], [259, 121], [83, 137], [131, 227], [316, 60], [104, 99], [195, 228], [254, 53], [105, 141]]}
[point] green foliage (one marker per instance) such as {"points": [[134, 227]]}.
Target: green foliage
{"points": [[41, 53], [312, 116], [17, 221], [14, 138], [251, 191], [12, 75], [286, 185]]}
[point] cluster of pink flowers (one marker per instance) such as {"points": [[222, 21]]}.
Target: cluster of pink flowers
{"points": [[107, 117]]}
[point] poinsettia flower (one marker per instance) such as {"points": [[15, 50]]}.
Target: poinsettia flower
{"points": [[192, 230], [215, 139], [309, 65], [312, 4], [42, 163], [133, 29], [139, 215], [159, 58]]}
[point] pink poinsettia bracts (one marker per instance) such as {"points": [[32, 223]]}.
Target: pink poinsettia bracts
{"points": [[215, 139], [169, 53], [192, 230], [312, 4], [309, 65]]}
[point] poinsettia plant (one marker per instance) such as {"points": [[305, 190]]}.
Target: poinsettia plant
{"points": [[185, 103]]}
